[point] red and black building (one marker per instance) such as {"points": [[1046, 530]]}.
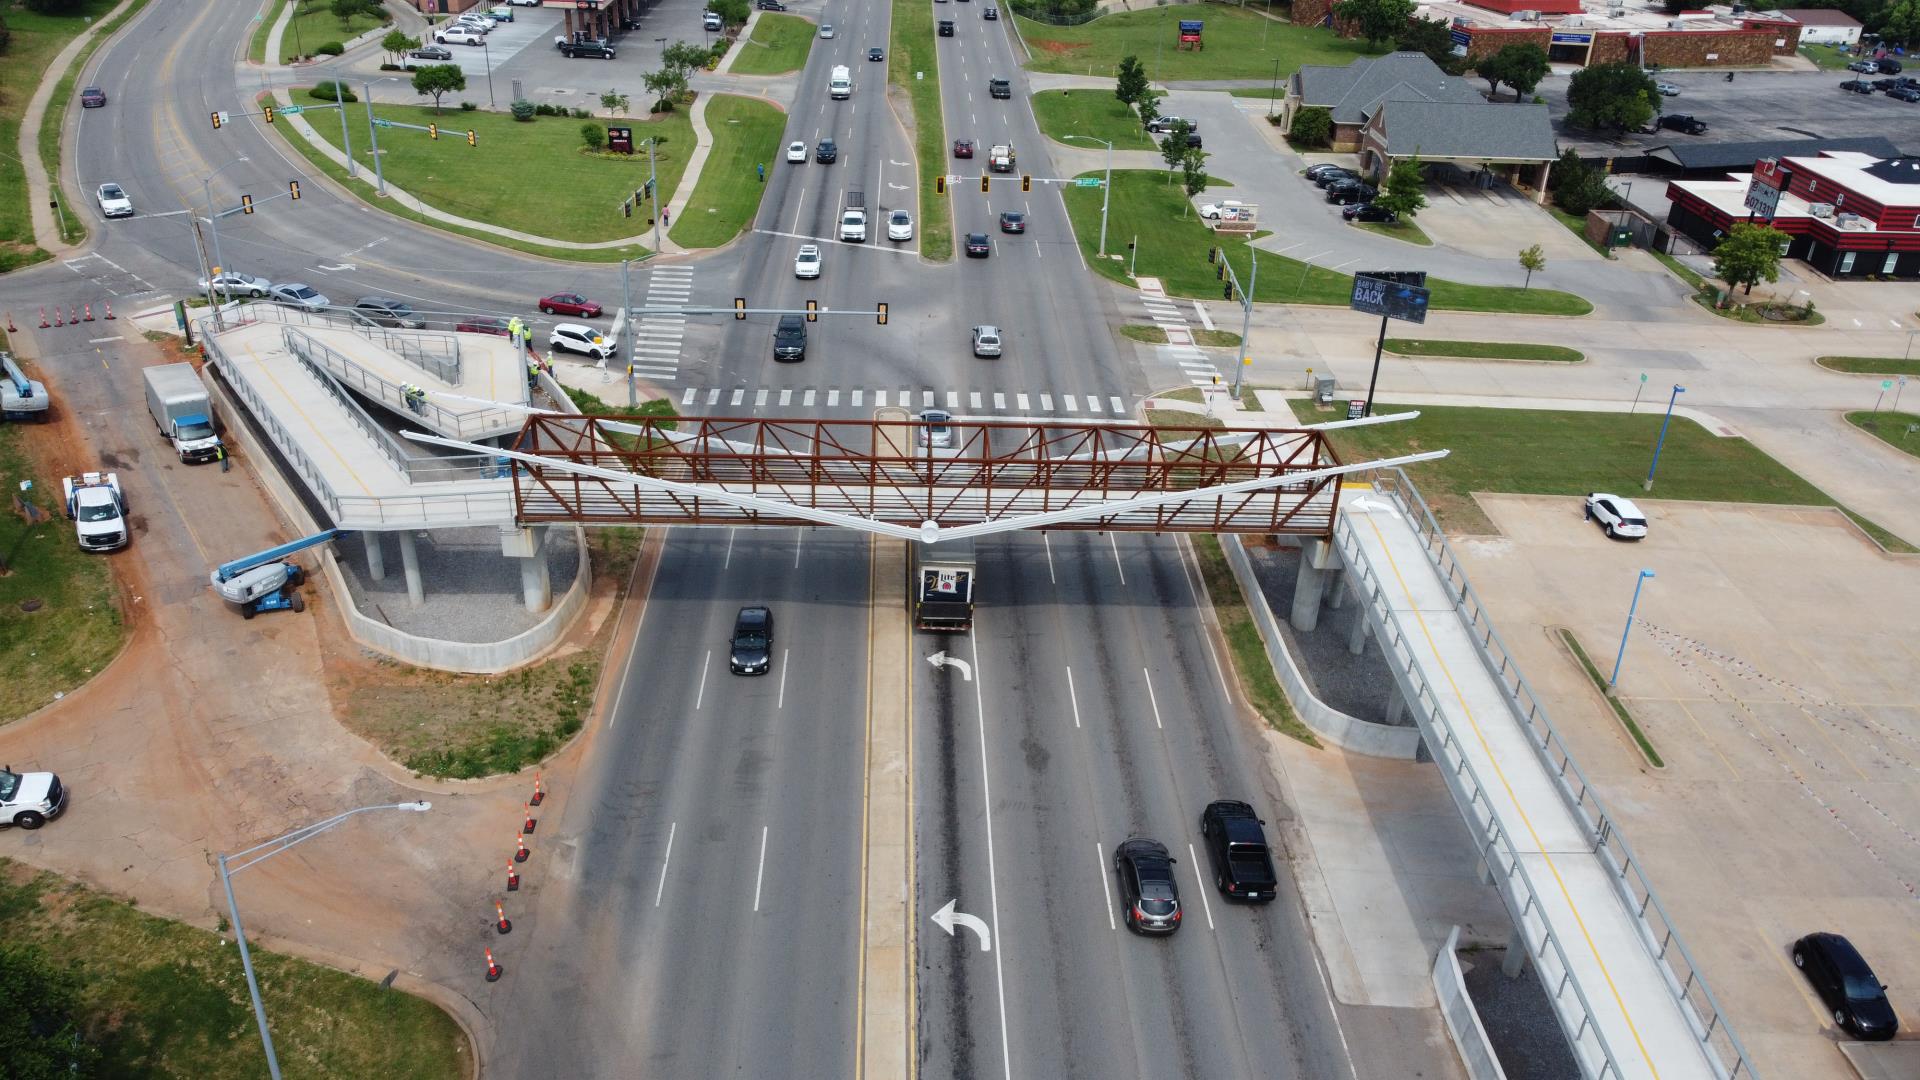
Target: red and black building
{"points": [[1847, 215]]}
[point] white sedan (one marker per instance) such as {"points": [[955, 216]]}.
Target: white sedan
{"points": [[237, 284], [296, 294], [113, 201], [899, 225], [826, 31], [807, 263], [796, 153], [1619, 518]]}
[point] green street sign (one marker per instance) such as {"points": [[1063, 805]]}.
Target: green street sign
{"points": [[292, 110], [377, 122], [1086, 181]]}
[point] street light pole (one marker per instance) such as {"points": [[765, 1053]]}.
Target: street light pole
{"points": [[1662, 441], [279, 844], [486, 57], [206, 189], [373, 140], [653, 185], [1106, 189], [1246, 320], [1614, 679], [1274, 90], [626, 306], [353, 169]]}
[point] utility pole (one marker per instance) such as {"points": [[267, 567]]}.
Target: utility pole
{"points": [[626, 305], [373, 138], [1246, 321], [200, 250], [653, 185], [346, 145]]}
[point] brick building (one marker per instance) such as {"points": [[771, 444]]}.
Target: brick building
{"points": [[1820, 26], [1847, 214]]}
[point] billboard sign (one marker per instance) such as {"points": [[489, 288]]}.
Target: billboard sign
{"points": [[1390, 299]]}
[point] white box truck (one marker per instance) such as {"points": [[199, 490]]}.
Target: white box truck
{"points": [[180, 408], [942, 586], [840, 83]]}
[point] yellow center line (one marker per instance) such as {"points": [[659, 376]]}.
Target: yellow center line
{"points": [[1538, 844], [260, 366]]}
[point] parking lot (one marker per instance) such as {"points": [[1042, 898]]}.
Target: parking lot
{"points": [[1754, 106], [1772, 666]]}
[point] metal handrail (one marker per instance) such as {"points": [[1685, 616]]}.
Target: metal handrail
{"points": [[289, 448], [433, 351], [442, 420], [1629, 879]]}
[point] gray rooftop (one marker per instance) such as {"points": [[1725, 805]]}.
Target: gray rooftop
{"points": [[1353, 91], [1742, 155], [1479, 130]]}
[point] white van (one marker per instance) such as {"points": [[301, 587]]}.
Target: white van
{"points": [[840, 83], [710, 20]]}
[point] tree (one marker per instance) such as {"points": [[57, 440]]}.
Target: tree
{"points": [[1193, 165], [1526, 66], [1148, 105], [39, 1033], [665, 85], [436, 80], [1130, 79], [684, 56], [614, 102], [398, 42], [731, 12], [54, 7], [1435, 39], [1312, 126], [1750, 254], [1532, 260], [1900, 21], [1173, 148], [1403, 194], [1610, 97], [1378, 21], [345, 10], [6, 36], [591, 134]]}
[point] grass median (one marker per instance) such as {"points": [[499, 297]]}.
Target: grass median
{"points": [[1620, 710], [1249, 651], [746, 133], [1095, 113], [914, 68], [1239, 44], [159, 999], [314, 24], [1484, 350], [1407, 232], [780, 44], [263, 25], [1206, 339], [1885, 366], [1173, 247], [1896, 429], [1544, 452]]}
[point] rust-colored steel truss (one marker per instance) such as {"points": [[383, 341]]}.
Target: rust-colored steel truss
{"points": [[878, 469]]}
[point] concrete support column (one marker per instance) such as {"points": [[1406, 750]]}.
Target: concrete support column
{"points": [[376, 556], [1396, 705], [1516, 954], [1357, 636], [529, 546], [1342, 585], [1316, 559], [410, 565]]}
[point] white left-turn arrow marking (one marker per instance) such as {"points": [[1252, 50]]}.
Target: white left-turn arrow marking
{"points": [[941, 659], [946, 917]]}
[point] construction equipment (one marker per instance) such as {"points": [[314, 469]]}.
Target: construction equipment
{"points": [[21, 398], [182, 411], [98, 509], [267, 580]]}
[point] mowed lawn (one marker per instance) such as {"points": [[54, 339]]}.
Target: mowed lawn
{"points": [[579, 193], [1174, 249], [314, 24], [746, 133], [1239, 44], [780, 44], [1090, 112], [1541, 452], [36, 40]]}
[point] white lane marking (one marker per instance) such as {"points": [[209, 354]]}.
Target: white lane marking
{"points": [[103, 340], [1116, 558], [1074, 698], [800, 204], [660, 890], [1049, 546], [620, 694], [999, 401], [993, 875], [1206, 905], [1153, 699], [761, 874], [1106, 887], [729, 559], [782, 703], [1020, 402], [799, 537], [687, 398], [1333, 1009], [704, 664], [786, 398]]}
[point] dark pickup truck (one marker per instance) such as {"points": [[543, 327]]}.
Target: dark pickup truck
{"points": [[1237, 847]]}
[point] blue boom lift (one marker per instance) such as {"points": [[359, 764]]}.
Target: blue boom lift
{"points": [[267, 580], [21, 398]]}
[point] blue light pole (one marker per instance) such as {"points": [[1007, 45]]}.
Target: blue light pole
{"points": [[1662, 441], [1614, 679]]}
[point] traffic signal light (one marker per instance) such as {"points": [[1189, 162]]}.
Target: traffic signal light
{"points": [[433, 131], [739, 308], [881, 315], [472, 139], [939, 185], [1026, 181], [1220, 271], [293, 190], [268, 110], [984, 180], [1212, 252], [813, 311], [246, 204], [1229, 291], [216, 119], [626, 208]]}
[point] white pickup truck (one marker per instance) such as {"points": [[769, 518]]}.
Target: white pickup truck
{"points": [[98, 510], [30, 800], [853, 218]]}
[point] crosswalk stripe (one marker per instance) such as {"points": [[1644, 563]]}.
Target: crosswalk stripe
{"points": [[973, 399], [1067, 404], [1118, 405], [759, 399], [1020, 402], [687, 399], [1046, 403], [926, 398], [786, 398], [879, 398], [856, 399], [806, 400], [1093, 403], [999, 401], [953, 399], [833, 398], [714, 398], [739, 396]]}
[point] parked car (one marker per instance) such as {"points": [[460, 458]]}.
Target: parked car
{"points": [[1889, 66], [770, 5], [790, 339], [1619, 518], [1013, 221], [30, 800], [114, 201], [387, 311], [567, 303], [234, 283], [1667, 89], [463, 35], [1857, 86], [1864, 67], [1237, 847], [587, 50], [797, 153], [1683, 122], [580, 338], [750, 646], [1160, 125], [1853, 994], [1909, 94], [986, 341], [978, 247], [525, 3], [827, 152], [992, 14], [899, 225], [482, 324], [1147, 887], [426, 55], [963, 148], [1335, 175], [807, 263], [297, 294], [938, 432], [876, 54], [93, 98], [1314, 172], [1351, 191], [1368, 212]]}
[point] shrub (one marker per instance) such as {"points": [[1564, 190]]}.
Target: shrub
{"points": [[323, 91], [523, 110], [1312, 126], [591, 134], [468, 106], [582, 114], [391, 67], [544, 109], [330, 48]]}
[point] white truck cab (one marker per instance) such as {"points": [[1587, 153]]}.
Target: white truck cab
{"points": [[853, 218], [98, 509], [30, 800], [840, 83]]}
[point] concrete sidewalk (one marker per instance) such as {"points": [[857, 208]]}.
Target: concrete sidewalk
{"points": [[46, 230]]}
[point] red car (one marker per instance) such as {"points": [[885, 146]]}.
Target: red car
{"points": [[482, 324], [570, 304], [963, 148]]}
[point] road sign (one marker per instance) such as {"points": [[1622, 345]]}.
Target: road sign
{"points": [[1393, 300], [377, 122], [1762, 199], [292, 110], [1086, 181]]}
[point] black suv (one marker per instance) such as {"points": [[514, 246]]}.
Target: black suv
{"points": [[1237, 847], [790, 338], [752, 642], [1147, 886], [1351, 191], [1854, 995], [1683, 122], [946, 27], [999, 88], [596, 50]]}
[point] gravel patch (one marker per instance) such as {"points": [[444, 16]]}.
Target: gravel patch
{"points": [[1519, 1019], [472, 591], [1360, 686]]}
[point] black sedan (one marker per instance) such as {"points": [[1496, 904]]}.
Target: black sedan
{"points": [[1857, 86], [876, 54], [1369, 212], [826, 152], [1013, 221], [1350, 191], [1852, 993], [1334, 176], [1147, 888], [93, 98], [978, 247], [1908, 94], [1315, 172]]}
